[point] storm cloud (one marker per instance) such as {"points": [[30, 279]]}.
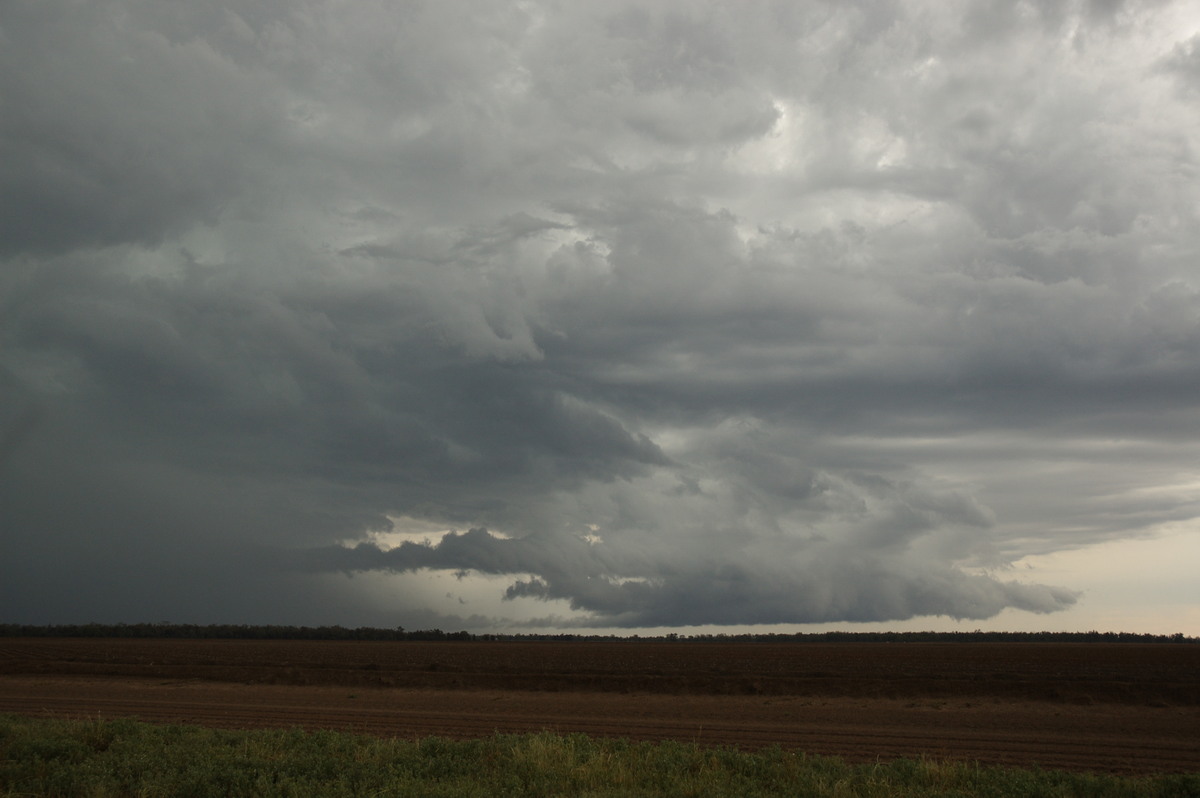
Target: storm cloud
{"points": [[688, 313]]}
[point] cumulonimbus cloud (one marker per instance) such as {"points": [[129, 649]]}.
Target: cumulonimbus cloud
{"points": [[711, 314]]}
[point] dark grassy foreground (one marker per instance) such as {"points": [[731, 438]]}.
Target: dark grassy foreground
{"points": [[127, 758]]}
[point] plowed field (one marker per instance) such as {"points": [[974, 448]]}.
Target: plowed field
{"points": [[1126, 708]]}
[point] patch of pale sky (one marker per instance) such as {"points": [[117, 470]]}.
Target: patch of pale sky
{"points": [[1146, 583]]}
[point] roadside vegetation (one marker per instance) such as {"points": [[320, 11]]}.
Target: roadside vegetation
{"points": [[94, 758]]}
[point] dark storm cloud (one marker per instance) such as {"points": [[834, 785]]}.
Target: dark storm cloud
{"points": [[112, 133], [712, 314]]}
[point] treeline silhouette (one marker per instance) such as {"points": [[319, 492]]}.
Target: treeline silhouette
{"points": [[272, 632]]}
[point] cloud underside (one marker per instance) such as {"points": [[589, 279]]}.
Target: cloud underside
{"points": [[832, 585], [711, 314]]}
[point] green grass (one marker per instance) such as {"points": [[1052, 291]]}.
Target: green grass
{"points": [[126, 758]]}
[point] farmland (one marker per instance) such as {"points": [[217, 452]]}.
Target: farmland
{"points": [[1123, 707]]}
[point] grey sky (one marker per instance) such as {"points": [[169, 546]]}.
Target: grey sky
{"points": [[677, 313]]}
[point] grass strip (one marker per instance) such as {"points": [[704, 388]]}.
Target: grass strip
{"points": [[121, 757]]}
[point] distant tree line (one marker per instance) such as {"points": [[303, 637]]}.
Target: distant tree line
{"points": [[189, 631]]}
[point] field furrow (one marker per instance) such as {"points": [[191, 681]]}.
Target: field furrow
{"points": [[1133, 709]]}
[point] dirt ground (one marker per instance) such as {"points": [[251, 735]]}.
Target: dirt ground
{"points": [[1126, 708]]}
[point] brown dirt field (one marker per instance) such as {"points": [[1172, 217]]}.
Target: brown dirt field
{"points": [[1125, 708]]}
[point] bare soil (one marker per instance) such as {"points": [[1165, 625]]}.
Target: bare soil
{"points": [[1126, 708]]}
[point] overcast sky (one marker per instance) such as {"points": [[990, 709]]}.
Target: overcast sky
{"points": [[601, 315]]}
